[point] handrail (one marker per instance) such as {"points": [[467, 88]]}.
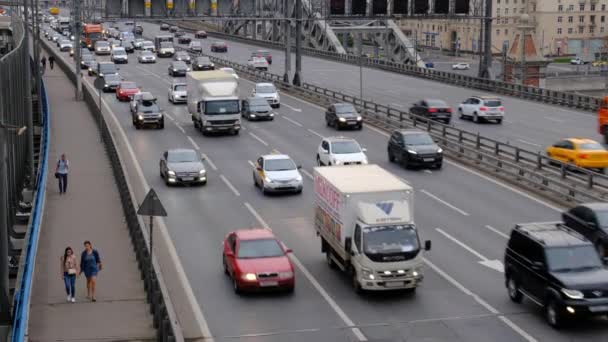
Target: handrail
{"points": [[21, 302]]}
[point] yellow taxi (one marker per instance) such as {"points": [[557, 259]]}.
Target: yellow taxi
{"points": [[581, 152]]}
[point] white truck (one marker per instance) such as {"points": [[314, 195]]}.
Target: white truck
{"points": [[365, 218], [213, 101]]}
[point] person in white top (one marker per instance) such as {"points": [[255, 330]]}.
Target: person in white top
{"points": [[61, 173]]}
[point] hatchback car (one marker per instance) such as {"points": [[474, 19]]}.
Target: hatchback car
{"points": [[182, 166], [277, 173], [461, 66], [200, 34], [269, 92], [127, 44], [413, 147], [119, 55], [178, 68], [219, 47], [146, 57], [93, 65], [106, 68], [343, 115], [255, 259], [140, 97], [258, 63], [478, 108], [256, 108], [195, 47], [591, 221], [65, 45], [183, 39], [557, 269], [432, 109], [203, 63], [85, 61], [126, 90], [182, 56], [178, 92], [231, 71], [137, 43], [580, 152], [340, 151]]}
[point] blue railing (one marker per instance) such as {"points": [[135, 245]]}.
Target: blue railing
{"points": [[21, 302]]}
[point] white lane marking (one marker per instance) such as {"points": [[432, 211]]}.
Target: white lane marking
{"points": [[480, 301], [428, 171], [292, 121], [307, 174], [210, 162], [314, 282], [234, 190], [251, 163], [315, 133], [444, 203], [151, 73], [377, 130], [494, 264], [180, 127], [181, 273], [292, 108], [506, 236], [528, 142], [169, 116], [405, 181], [553, 119], [258, 139], [193, 142], [507, 121]]}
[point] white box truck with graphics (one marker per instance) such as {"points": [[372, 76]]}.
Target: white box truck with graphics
{"points": [[213, 101], [364, 215]]}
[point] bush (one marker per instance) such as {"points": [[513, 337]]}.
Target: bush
{"points": [[562, 60]]}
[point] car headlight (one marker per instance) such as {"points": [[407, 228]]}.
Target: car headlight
{"points": [[367, 274], [412, 152], [141, 117], [171, 173], [200, 66], [174, 69], [187, 69], [249, 277], [252, 115], [101, 75], [179, 59], [337, 162], [90, 69], [299, 179], [267, 180], [573, 294], [359, 118], [364, 161], [271, 114], [286, 275], [342, 119], [202, 172]]}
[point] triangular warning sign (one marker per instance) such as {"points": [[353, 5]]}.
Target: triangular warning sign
{"points": [[151, 205]]}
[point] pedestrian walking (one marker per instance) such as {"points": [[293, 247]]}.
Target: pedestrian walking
{"points": [[61, 173], [43, 62], [51, 61], [90, 264], [69, 270]]}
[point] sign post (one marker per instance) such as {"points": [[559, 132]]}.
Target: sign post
{"points": [[151, 207], [99, 85]]}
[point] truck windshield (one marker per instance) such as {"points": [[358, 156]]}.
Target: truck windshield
{"points": [[94, 35], [222, 107], [166, 45], [390, 239]]}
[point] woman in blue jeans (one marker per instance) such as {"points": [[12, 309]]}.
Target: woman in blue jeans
{"points": [[69, 269], [90, 264]]}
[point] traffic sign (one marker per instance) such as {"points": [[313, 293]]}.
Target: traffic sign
{"points": [[152, 205], [99, 83]]}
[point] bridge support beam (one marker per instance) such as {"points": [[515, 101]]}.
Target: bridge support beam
{"points": [[297, 77]]}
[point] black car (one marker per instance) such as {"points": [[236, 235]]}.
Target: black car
{"points": [[138, 30], [433, 109], [203, 63], [184, 40], [256, 108], [85, 61], [106, 68], [148, 113], [93, 68], [590, 220], [179, 33], [128, 45], [200, 34], [110, 82], [178, 68], [164, 27], [219, 47], [558, 269], [182, 56], [343, 115], [414, 148]]}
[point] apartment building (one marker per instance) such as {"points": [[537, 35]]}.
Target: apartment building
{"points": [[576, 27]]}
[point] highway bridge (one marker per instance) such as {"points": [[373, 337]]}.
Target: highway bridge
{"points": [[466, 213]]}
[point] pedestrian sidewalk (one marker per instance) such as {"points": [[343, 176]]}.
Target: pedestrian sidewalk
{"points": [[90, 210]]}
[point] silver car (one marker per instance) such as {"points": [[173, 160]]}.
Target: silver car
{"points": [[275, 173], [182, 166], [269, 92], [178, 93], [146, 57]]}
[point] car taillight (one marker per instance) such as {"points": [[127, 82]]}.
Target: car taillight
{"points": [[501, 109], [583, 156], [449, 110], [432, 110], [483, 109]]}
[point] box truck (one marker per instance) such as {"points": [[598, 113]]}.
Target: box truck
{"points": [[365, 218], [213, 101]]}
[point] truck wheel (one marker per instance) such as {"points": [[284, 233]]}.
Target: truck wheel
{"points": [[356, 284], [330, 261], [605, 135]]}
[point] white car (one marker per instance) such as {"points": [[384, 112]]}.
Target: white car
{"points": [[258, 63], [478, 108], [578, 61], [119, 55], [146, 57], [148, 46], [178, 93], [231, 71], [102, 48], [195, 47], [340, 151], [277, 173], [65, 45], [269, 92], [461, 66]]}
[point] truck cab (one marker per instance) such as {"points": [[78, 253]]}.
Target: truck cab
{"points": [[602, 119]]}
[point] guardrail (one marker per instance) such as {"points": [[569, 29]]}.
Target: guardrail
{"points": [[548, 96], [531, 169], [21, 299], [157, 295]]}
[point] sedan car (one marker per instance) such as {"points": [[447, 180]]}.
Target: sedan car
{"points": [[258, 63], [585, 153], [256, 108], [178, 93], [182, 56], [173, 29], [200, 34], [178, 68], [343, 115], [93, 65], [65, 45], [102, 47], [263, 53], [255, 260], [195, 47], [137, 43], [148, 45], [164, 27], [269, 92], [461, 66], [110, 82], [202, 63], [433, 109], [478, 108], [277, 173], [146, 57], [182, 166], [340, 151], [413, 147], [183, 39], [119, 55], [219, 47], [591, 221], [85, 61], [126, 90], [127, 44]]}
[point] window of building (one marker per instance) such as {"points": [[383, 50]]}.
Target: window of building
{"points": [[581, 29], [498, 2], [506, 32], [592, 18], [507, 2], [559, 19], [602, 29], [521, 10], [560, 8], [581, 18], [591, 29], [592, 7], [498, 12], [603, 7], [569, 30], [581, 7], [514, 10], [506, 22], [514, 1], [506, 11], [570, 8], [559, 30], [523, 1], [498, 32], [570, 19], [602, 19]]}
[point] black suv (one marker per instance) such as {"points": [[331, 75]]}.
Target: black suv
{"points": [[343, 115], [413, 147], [556, 268], [591, 220]]}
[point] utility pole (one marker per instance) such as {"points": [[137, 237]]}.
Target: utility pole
{"points": [[297, 81], [28, 93], [77, 57], [287, 33]]}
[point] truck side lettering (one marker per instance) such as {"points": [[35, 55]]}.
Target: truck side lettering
{"points": [[328, 194], [327, 223]]}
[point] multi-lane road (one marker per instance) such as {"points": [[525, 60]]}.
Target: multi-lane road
{"points": [[467, 216]]}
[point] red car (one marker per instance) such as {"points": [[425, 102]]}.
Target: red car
{"points": [[255, 260], [219, 47], [126, 90]]}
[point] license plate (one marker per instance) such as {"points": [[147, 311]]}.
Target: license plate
{"points": [[186, 179], [352, 123], [394, 284], [599, 308], [269, 283], [428, 159]]}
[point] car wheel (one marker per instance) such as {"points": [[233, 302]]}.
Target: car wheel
{"points": [[439, 166], [161, 125], [319, 163], [391, 157], [475, 118], [290, 289], [235, 286], [225, 266], [169, 99], [360, 127], [601, 250], [403, 161], [264, 191], [255, 182], [410, 290], [513, 289], [553, 314], [447, 122], [499, 121], [461, 115], [137, 126]]}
